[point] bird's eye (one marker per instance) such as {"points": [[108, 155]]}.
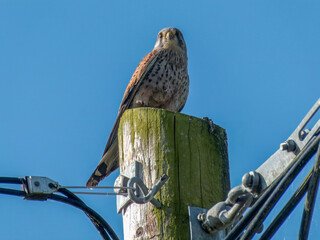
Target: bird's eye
{"points": [[160, 35], [169, 35]]}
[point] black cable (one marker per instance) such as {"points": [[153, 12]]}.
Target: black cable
{"points": [[310, 200], [287, 209], [302, 159], [98, 226], [12, 192], [69, 198], [69, 194], [13, 180], [251, 213], [86, 209]]}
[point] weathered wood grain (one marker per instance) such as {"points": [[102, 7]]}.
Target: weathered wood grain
{"points": [[181, 146]]}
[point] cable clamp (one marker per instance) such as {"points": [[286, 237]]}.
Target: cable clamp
{"points": [[223, 214], [226, 213], [148, 196], [133, 190], [38, 188]]}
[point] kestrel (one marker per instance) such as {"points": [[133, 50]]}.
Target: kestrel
{"points": [[160, 81]]}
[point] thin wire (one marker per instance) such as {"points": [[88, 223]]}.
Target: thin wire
{"points": [[70, 199], [287, 209], [310, 200], [98, 187], [96, 223], [97, 193]]}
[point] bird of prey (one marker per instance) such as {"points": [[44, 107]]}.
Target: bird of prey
{"points": [[160, 81]]}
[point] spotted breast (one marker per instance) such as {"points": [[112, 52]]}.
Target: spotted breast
{"points": [[166, 85]]}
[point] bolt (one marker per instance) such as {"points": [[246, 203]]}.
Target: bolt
{"points": [[201, 217], [139, 232], [303, 133], [288, 145], [37, 183], [284, 146], [247, 180], [251, 181]]}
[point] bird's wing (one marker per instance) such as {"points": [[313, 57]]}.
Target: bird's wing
{"points": [[110, 159], [144, 67]]}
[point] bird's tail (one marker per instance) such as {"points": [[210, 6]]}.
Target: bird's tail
{"points": [[108, 163]]}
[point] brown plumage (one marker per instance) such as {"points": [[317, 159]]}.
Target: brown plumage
{"points": [[161, 81]]}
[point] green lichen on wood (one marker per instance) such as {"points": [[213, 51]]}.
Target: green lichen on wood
{"points": [[195, 160]]}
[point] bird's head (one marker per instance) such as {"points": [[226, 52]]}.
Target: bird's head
{"points": [[171, 38]]}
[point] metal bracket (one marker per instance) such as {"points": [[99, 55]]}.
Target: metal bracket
{"points": [[137, 191], [223, 214], [148, 197], [38, 188], [271, 169], [133, 170], [196, 231]]}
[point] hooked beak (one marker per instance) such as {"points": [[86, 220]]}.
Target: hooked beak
{"points": [[169, 35]]}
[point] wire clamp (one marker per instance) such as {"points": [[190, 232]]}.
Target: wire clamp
{"points": [[148, 196], [225, 213], [134, 190], [38, 188]]}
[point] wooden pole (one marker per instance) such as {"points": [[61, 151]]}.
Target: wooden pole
{"points": [[182, 147]]}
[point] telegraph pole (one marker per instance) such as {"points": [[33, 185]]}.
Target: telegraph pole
{"points": [[189, 151]]}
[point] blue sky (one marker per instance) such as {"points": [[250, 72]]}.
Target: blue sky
{"points": [[64, 66]]}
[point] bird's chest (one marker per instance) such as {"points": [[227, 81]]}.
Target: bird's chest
{"points": [[165, 86]]}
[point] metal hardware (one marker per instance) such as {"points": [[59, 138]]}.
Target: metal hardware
{"points": [[288, 145], [39, 188], [133, 170], [283, 184], [102, 193], [97, 187], [223, 214], [211, 124], [196, 232], [34, 187], [148, 197], [280, 160], [134, 190], [118, 192]]}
